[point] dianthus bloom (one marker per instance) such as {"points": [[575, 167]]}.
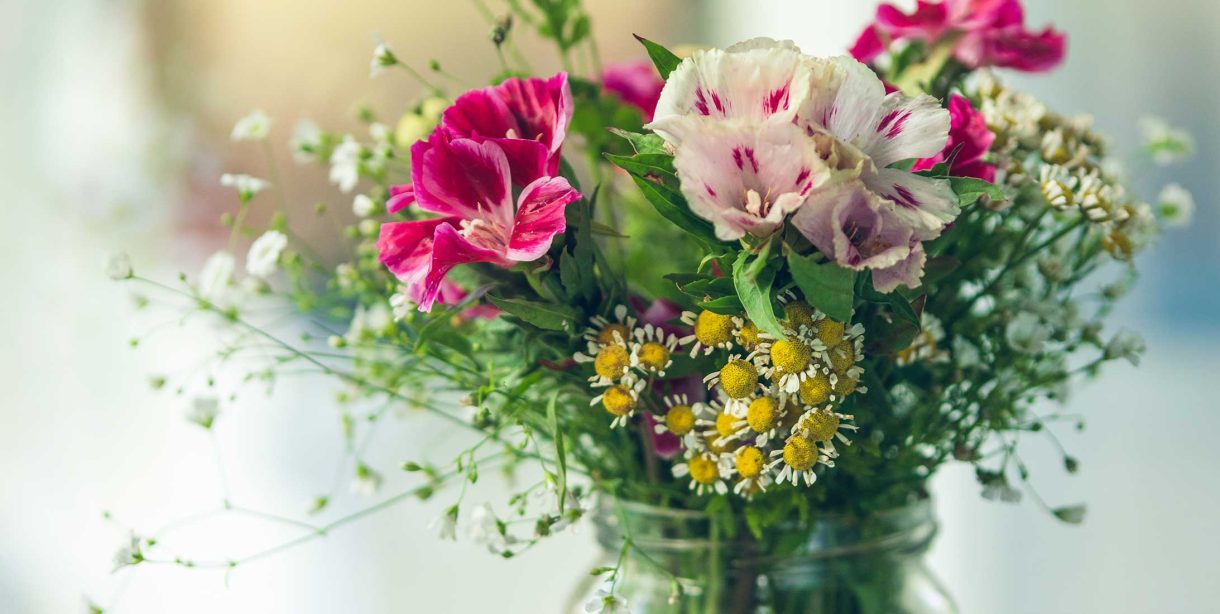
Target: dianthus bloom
{"points": [[636, 83], [982, 32], [969, 142]]}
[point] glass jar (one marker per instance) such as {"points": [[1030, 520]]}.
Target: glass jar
{"points": [[676, 562]]}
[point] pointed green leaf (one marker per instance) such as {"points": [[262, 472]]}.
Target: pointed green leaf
{"points": [[642, 143], [543, 315], [826, 285], [970, 189], [754, 290], [662, 58], [670, 204]]}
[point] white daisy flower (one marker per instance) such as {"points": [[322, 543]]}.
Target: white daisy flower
{"points": [[712, 331], [796, 461], [253, 127], [605, 331], [621, 399], [652, 351], [680, 416], [822, 426], [707, 472], [738, 379], [264, 255], [750, 465]]}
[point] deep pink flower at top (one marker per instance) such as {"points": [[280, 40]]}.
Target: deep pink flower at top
{"points": [[660, 313], [989, 33], [969, 142], [452, 294], [470, 184], [513, 114], [636, 83]]}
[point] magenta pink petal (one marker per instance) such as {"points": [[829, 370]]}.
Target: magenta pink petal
{"points": [[868, 46], [405, 248], [540, 216], [449, 249], [461, 177], [401, 197]]}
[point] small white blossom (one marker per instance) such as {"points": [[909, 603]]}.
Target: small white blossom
{"points": [[1165, 143], [604, 601], [265, 253], [1027, 333], [446, 526], [253, 127], [485, 530], [382, 58], [245, 185], [345, 164], [204, 411], [363, 206], [366, 482], [216, 276], [1176, 205], [129, 554], [118, 267], [306, 141], [1126, 344]]}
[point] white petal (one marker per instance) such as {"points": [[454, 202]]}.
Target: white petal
{"points": [[907, 128], [925, 203], [844, 99]]}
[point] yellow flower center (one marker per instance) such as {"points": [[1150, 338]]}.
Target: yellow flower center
{"points": [[798, 314], [790, 355], [800, 453], [713, 329], [815, 390], [845, 386], [724, 424], [654, 356], [829, 332], [618, 400], [739, 378], [704, 470], [611, 362], [613, 333], [749, 462], [762, 414], [747, 336], [719, 446], [842, 358], [821, 425], [680, 419]]}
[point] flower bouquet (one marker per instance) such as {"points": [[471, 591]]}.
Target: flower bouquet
{"points": [[737, 305]]}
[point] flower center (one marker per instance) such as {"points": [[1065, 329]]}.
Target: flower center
{"points": [[612, 333], [747, 336], [618, 400], [800, 453], [654, 356], [611, 362], [704, 470], [845, 385], [829, 332], [486, 234], [713, 329], [749, 462], [762, 414], [798, 314], [680, 419], [842, 358], [790, 355], [821, 425], [738, 378], [724, 424], [815, 390]]}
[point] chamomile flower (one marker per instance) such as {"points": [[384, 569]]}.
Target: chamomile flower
{"points": [[763, 419], [722, 423], [796, 461], [680, 416], [605, 331], [797, 313], [823, 426], [790, 360], [652, 351], [738, 378], [711, 331], [754, 475], [706, 470], [746, 334], [817, 389], [621, 399], [611, 363]]}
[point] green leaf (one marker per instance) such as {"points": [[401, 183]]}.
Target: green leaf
{"points": [[827, 286], [662, 58], [646, 165], [543, 315], [725, 305], [939, 171], [560, 458], [642, 143], [970, 189], [670, 204], [1071, 514], [754, 290]]}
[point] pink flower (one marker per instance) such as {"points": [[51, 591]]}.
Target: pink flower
{"points": [[636, 83], [990, 33], [859, 230], [470, 184], [513, 114], [452, 294], [969, 142]]}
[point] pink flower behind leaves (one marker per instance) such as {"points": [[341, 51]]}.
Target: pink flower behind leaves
{"points": [[452, 294], [969, 142], [636, 83], [989, 33], [470, 185], [514, 114]]}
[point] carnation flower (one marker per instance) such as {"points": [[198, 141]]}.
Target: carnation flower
{"points": [[265, 252], [982, 32], [969, 142], [515, 115], [470, 184]]}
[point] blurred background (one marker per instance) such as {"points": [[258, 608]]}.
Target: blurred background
{"points": [[115, 126]]}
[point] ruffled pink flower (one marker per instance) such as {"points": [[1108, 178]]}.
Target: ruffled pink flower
{"points": [[636, 83], [969, 142], [514, 114], [469, 183], [990, 33], [859, 230]]}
